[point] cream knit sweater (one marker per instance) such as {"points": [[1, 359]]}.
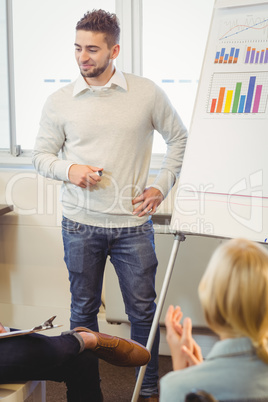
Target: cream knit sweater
{"points": [[112, 129]]}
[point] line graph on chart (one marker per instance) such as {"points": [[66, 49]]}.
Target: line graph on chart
{"points": [[248, 26]]}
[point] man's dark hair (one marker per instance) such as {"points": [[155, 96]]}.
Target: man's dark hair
{"points": [[101, 21]]}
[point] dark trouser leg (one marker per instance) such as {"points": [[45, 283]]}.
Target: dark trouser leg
{"points": [[39, 357], [82, 379]]}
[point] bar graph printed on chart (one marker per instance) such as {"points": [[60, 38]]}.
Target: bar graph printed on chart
{"points": [[224, 56], [256, 56], [238, 93]]}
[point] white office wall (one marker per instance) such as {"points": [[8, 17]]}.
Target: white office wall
{"points": [[33, 278]]}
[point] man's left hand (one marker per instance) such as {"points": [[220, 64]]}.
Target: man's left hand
{"points": [[150, 199]]}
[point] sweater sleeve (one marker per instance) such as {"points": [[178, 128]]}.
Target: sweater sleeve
{"points": [[169, 124], [49, 142]]}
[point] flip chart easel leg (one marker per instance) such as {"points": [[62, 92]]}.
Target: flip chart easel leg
{"points": [[178, 238]]}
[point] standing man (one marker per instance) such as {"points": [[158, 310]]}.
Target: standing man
{"points": [[103, 123]]}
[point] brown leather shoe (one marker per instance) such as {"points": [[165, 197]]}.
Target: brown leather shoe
{"points": [[118, 351], [152, 398]]}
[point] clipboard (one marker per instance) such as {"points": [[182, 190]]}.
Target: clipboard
{"points": [[42, 327]]}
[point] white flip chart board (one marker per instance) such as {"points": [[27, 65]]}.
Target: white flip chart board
{"points": [[223, 188]]}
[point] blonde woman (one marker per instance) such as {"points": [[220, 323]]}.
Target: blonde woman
{"points": [[234, 295]]}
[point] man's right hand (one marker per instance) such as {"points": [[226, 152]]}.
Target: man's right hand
{"points": [[84, 175]]}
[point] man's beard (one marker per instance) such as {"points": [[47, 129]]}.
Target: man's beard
{"points": [[96, 71]]}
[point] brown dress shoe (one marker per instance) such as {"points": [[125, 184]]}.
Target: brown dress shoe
{"points": [[118, 351]]}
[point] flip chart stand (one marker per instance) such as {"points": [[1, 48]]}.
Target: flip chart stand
{"points": [[178, 238]]}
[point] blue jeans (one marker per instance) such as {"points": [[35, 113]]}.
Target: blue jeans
{"points": [[132, 252], [54, 358]]}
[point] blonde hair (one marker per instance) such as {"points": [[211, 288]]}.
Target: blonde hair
{"points": [[234, 293]]}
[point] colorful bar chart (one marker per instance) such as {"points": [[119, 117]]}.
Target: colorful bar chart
{"points": [[256, 56], [222, 57], [238, 93]]}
